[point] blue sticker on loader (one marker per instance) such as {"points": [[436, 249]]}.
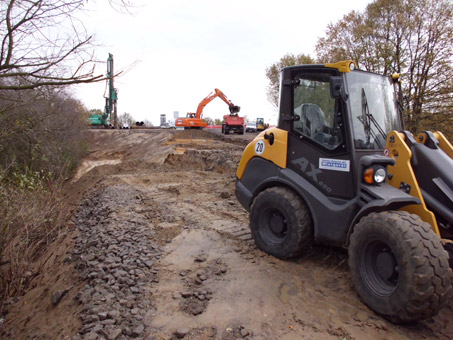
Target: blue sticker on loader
{"points": [[334, 164]]}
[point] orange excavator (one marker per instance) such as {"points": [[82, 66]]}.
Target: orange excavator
{"points": [[194, 120]]}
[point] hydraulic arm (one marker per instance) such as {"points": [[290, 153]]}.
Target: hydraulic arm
{"points": [[194, 120]]}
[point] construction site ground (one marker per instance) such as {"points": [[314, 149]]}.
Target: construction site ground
{"points": [[157, 247]]}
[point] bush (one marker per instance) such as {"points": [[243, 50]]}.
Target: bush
{"points": [[40, 132], [40, 146]]}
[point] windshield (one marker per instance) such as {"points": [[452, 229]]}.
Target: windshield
{"points": [[373, 109]]}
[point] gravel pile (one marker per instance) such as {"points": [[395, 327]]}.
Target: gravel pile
{"points": [[115, 254]]}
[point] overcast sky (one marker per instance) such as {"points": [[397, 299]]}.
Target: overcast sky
{"points": [[182, 50]]}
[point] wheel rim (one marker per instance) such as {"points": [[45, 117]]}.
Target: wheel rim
{"points": [[380, 268], [275, 225]]}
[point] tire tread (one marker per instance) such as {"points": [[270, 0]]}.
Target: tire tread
{"points": [[431, 276], [305, 230]]}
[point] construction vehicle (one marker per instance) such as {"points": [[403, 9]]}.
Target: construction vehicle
{"points": [[233, 123], [260, 125], [194, 120], [340, 170], [109, 117]]}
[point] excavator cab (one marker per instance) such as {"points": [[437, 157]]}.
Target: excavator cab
{"points": [[340, 170]]}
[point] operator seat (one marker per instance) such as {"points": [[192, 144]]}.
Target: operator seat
{"points": [[312, 124], [313, 119]]}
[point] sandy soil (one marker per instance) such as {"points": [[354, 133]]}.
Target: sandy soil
{"points": [[210, 281]]}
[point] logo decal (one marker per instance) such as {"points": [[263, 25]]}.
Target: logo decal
{"points": [[311, 171], [334, 164]]}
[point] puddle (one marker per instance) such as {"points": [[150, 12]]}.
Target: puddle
{"points": [[286, 291]]}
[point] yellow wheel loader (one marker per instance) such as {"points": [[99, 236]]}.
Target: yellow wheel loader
{"points": [[340, 170]]}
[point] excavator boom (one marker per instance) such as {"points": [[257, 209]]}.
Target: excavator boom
{"points": [[194, 120], [217, 93]]}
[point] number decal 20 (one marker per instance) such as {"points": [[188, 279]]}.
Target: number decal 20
{"points": [[259, 147]]}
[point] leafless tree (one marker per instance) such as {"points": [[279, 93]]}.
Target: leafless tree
{"points": [[208, 120], [43, 43], [126, 118]]}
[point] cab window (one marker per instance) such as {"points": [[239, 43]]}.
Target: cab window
{"points": [[316, 109]]}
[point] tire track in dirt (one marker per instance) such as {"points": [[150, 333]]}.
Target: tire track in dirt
{"points": [[233, 224]]}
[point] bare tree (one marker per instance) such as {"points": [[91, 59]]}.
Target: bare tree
{"points": [[126, 118], [208, 120], [43, 43]]}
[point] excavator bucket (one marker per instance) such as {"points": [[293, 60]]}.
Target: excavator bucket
{"points": [[234, 109]]}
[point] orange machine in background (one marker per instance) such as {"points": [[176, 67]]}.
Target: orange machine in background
{"points": [[194, 120]]}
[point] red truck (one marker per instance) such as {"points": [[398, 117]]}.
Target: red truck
{"points": [[233, 123]]}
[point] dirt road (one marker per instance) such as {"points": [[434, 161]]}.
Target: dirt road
{"points": [[159, 248]]}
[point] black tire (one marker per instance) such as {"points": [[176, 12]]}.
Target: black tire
{"points": [[398, 266], [281, 223], [227, 130], [449, 248]]}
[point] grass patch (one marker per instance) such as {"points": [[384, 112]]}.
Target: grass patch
{"points": [[29, 223]]}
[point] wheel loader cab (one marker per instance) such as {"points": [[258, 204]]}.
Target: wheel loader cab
{"points": [[334, 118], [322, 176], [333, 124], [317, 134]]}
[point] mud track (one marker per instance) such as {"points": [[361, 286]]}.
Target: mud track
{"points": [[159, 248]]}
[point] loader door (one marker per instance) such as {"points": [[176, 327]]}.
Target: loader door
{"points": [[317, 140]]}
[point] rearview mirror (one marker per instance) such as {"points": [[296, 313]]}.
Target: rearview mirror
{"points": [[337, 88], [336, 85]]}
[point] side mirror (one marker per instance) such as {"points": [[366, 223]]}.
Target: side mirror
{"points": [[336, 87]]}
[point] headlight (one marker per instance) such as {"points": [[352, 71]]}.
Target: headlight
{"points": [[379, 175], [374, 175]]}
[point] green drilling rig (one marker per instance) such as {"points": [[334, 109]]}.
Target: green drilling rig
{"points": [[109, 118]]}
